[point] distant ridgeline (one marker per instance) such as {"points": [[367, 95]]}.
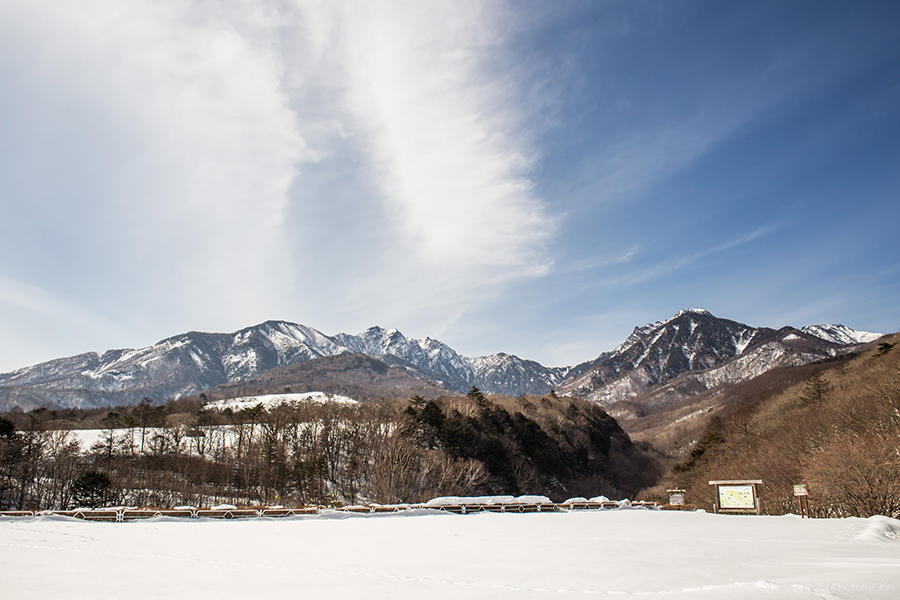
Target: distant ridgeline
{"points": [[272, 356]]}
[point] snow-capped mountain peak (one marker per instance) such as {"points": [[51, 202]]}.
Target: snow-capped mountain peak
{"points": [[696, 311], [643, 331], [840, 334], [692, 340]]}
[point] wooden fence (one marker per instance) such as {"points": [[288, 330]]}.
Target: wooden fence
{"points": [[255, 512]]}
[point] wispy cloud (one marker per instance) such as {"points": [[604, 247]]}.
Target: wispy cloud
{"points": [[24, 296], [33, 315], [430, 106], [447, 138], [601, 261], [180, 138], [187, 146], [667, 267], [424, 165]]}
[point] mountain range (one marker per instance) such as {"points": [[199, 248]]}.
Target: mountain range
{"points": [[693, 341], [713, 351]]}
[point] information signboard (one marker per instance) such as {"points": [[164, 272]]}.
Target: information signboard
{"points": [[800, 490], [676, 496], [736, 497]]}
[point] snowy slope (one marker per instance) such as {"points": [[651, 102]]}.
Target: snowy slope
{"points": [[691, 340], [509, 374], [196, 361], [497, 373], [840, 334], [175, 366], [486, 556], [715, 351], [437, 359], [272, 400], [790, 349]]}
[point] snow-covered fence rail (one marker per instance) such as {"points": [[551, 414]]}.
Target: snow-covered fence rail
{"points": [[500, 504], [290, 512], [463, 509], [100, 514], [131, 514]]}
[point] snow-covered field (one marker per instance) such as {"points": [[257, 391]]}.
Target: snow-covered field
{"points": [[586, 554], [88, 437], [273, 400]]}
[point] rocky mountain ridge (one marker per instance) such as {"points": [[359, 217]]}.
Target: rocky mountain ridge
{"points": [[840, 334], [196, 361], [692, 340], [713, 351]]}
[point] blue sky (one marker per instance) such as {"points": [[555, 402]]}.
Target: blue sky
{"points": [[535, 178]]}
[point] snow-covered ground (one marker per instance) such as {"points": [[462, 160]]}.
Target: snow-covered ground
{"points": [[586, 554], [88, 437], [273, 400]]}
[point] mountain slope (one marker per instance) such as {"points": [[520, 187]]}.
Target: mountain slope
{"points": [[508, 374], [435, 358], [691, 341], [196, 361], [840, 334], [175, 366], [718, 351], [790, 349], [835, 428], [351, 374]]}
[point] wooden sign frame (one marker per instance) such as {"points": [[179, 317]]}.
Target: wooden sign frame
{"points": [[737, 496]]}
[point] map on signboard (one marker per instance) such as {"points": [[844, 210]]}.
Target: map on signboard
{"points": [[736, 496]]}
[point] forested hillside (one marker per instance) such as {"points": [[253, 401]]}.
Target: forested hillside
{"points": [[838, 431], [383, 451]]}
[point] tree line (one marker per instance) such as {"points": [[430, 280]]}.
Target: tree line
{"points": [[179, 453]]}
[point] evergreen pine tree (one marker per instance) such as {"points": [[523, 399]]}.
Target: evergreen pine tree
{"points": [[92, 489], [816, 389]]}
